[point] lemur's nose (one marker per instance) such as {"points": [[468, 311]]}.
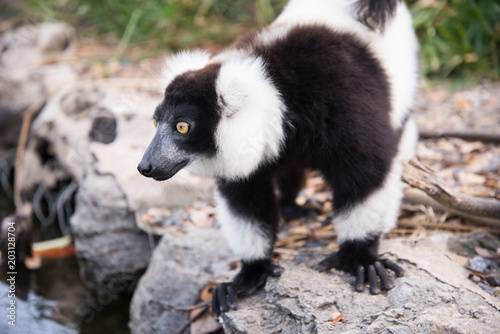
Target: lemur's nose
{"points": [[145, 168]]}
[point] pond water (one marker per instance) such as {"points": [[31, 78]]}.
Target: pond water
{"points": [[53, 299]]}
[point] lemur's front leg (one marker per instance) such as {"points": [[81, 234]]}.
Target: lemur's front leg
{"points": [[249, 214]]}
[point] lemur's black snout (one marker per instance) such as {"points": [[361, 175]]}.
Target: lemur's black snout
{"points": [[145, 168]]}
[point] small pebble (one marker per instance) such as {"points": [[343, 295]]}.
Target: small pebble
{"points": [[486, 287], [479, 264], [493, 279], [476, 279]]}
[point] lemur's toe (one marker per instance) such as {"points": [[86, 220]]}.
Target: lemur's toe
{"points": [[375, 273]]}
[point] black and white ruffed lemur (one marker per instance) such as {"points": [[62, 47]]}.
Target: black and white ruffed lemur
{"points": [[328, 86]]}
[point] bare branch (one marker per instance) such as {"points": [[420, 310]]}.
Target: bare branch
{"points": [[473, 135], [422, 177]]}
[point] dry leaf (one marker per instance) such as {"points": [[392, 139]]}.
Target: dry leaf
{"points": [[472, 146], [207, 323], [33, 263], [337, 316], [206, 293], [467, 178], [323, 196], [483, 252]]}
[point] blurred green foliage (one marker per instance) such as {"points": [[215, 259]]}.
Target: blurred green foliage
{"points": [[459, 38], [168, 23]]}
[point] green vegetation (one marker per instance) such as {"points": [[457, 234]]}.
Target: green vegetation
{"points": [[164, 23], [459, 38]]}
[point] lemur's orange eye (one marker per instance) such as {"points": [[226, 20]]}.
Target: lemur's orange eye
{"points": [[182, 127], [154, 122]]}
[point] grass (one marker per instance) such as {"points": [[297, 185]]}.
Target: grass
{"points": [[459, 38]]}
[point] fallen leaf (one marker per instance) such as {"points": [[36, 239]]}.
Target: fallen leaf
{"points": [[206, 323], [470, 147], [33, 263], [483, 252], [206, 293], [337, 316]]}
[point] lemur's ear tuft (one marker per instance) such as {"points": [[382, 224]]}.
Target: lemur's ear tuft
{"points": [[238, 79], [182, 62], [232, 95]]}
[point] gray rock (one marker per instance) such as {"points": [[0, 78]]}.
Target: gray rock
{"points": [[464, 245], [180, 267], [479, 264], [425, 300], [112, 252], [22, 81], [97, 136], [31, 315]]}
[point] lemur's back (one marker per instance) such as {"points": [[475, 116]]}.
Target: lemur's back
{"points": [[394, 43]]}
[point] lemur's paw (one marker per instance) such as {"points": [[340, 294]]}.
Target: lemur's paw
{"points": [[252, 276], [295, 211], [365, 272]]}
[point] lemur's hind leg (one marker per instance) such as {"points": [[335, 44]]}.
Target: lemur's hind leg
{"points": [[290, 179], [359, 228], [249, 214]]}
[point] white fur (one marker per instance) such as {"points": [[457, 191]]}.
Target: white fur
{"points": [[335, 14], [250, 131], [397, 49], [245, 238], [182, 62], [409, 138], [376, 214], [379, 212]]}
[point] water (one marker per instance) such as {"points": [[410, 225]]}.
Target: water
{"points": [[53, 299]]}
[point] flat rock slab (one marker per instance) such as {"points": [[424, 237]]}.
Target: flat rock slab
{"points": [[434, 296], [180, 267]]}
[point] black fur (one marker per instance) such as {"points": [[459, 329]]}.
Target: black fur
{"points": [[353, 253], [255, 200], [191, 97], [360, 258], [337, 98], [251, 277], [337, 122], [375, 13]]}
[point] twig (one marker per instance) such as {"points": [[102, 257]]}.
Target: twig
{"points": [[21, 146], [419, 176], [193, 319], [406, 223], [417, 196], [462, 134], [190, 307]]}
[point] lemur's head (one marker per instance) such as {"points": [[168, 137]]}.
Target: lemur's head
{"points": [[221, 114]]}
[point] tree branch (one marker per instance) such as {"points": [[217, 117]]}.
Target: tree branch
{"points": [[462, 134], [422, 177]]}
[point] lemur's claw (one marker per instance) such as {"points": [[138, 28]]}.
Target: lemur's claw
{"points": [[368, 272], [251, 277], [224, 298]]}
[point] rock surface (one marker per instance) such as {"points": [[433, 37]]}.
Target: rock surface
{"points": [[30, 316], [180, 267], [95, 134], [434, 296], [23, 81]]}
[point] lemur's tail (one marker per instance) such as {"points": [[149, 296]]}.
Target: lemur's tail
{"points": [[376, 13]]}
